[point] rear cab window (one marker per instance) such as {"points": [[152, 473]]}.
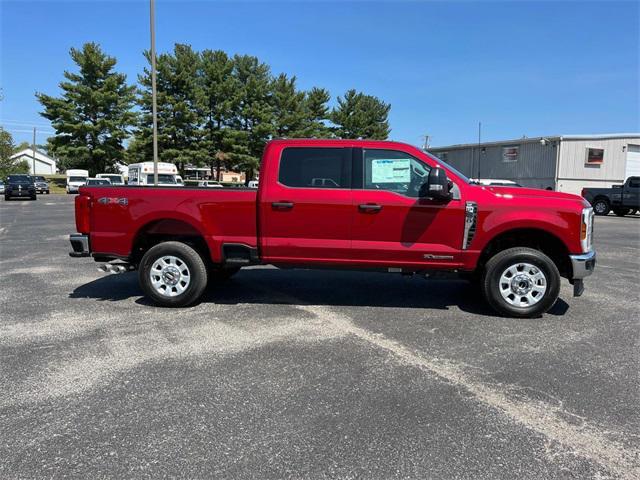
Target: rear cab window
{"points": [[312, 167]]}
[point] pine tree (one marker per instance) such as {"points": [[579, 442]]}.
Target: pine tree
{"points": [[289, 109], [93, 115], [317, 113], [177, 89], [253, 121], [219, 99], [361, 116]]}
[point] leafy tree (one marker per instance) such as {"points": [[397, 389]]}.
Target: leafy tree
{"points": [[361, 116], [8, 166], [93, 115]]}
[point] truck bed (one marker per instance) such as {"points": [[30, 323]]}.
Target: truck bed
{"points": [[120, 214]]}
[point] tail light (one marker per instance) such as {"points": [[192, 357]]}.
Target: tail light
{"points": [[586, 229], [83, 209]]}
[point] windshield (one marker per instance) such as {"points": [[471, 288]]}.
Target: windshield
{"points": [[449, 167], [113, 178], [19, 179], [99, 182], [40, 178], [164, 178], [77, 179]]}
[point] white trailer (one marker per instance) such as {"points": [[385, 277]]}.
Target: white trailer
{"points": [[142, 174], [75, 179]]}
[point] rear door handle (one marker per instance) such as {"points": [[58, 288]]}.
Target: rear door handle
{"points": [[370, 207], [282, 205]]}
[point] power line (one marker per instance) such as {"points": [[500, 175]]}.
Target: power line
{"points": [[26, 124]]}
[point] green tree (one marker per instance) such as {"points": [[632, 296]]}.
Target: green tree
{"points": [[361, 116], [177, 102], [219, 100], [7, 148], [289, 109], [317, 113], [93, 115], [253, 121]]}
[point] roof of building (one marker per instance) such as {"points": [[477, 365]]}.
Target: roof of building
{"points": [[602, 136], [41, 156]]}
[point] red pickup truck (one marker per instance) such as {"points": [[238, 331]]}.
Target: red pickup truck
{"points": [[345, 204]]}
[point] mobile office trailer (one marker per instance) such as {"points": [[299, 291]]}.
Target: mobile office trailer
{"points": [[142, 174], [114, 178], [75, 179]]}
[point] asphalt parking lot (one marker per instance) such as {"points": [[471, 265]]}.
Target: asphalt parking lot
{"points": [[309, 374]]}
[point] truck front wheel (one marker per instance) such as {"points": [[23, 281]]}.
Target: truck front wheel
{"points": [[172, 274], [601, 206], [521, 282]]}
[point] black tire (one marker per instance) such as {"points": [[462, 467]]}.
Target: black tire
{"points": [[33, 198], [7, 198], [621, 212], [500, 262], [601, 206], [222, 274], [189, 257]]}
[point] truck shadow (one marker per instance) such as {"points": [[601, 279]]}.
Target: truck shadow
{"points": [[267, 286]]}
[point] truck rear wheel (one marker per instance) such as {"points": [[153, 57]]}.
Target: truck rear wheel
{"points": [[172, 274], [601, 206], [521, 282]]}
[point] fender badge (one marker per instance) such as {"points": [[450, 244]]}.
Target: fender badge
{"points": [[113, 201], [430, 256]]}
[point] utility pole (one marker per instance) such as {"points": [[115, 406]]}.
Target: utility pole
{"points": [[154, 110], [33, 150], [479, 148]]}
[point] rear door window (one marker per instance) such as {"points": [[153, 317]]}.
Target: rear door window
{"points": [[303, 167]]}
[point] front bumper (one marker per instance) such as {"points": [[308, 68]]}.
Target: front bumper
{"points": [[582, 265], [79, 245]]}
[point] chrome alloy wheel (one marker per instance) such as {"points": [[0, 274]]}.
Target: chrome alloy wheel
{"points": [[600, 207], [170, 276], [522, 285]]}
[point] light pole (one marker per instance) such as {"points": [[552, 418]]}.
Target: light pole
{"points": [[154, 108], [33, 150]]}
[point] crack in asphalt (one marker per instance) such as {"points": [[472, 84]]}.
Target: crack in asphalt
{"points": [[584, 440]]}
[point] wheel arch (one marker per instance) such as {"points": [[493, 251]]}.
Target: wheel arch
{"points": [[537, 238], [165, 229]]}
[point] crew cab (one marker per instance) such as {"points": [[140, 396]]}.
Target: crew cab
{"points": [[622, 199], [345, 204]]}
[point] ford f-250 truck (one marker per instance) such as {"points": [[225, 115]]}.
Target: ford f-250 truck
{"points": [[622, 199], [345, 204]]}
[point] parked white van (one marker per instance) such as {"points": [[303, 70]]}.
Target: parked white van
{"points": [[75, 179], [142, 174], [114, 178]]}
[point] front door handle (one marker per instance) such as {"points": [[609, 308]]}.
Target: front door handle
{"points": [[370, 207], [282, 205]]}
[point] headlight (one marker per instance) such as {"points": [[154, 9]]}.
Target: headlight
{"points": [[586, 229]]}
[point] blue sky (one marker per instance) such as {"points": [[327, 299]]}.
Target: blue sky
{"points": [[522, 68]]}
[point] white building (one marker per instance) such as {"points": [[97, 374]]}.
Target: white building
{"points": [[44, 164], [566, 163]]}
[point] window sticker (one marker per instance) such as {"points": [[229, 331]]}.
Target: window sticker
{"points": [[391, 171]]}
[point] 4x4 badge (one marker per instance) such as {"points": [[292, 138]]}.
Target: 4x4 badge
{"points": [[113, 201]]}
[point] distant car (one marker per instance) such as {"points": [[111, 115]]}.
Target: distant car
{"points": [[20, 186], [253, 184], [494, 182], [94, 182], [179, 180], [209, 184], [1, 186], [42, 186]]}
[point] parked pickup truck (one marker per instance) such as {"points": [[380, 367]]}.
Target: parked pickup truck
{"points": [[622, 199], [343, 203]]}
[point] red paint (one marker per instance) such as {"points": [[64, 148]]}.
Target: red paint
{"points": [[327, 226]]}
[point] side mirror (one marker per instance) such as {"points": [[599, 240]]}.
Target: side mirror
{"points": [[437, 186]]}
